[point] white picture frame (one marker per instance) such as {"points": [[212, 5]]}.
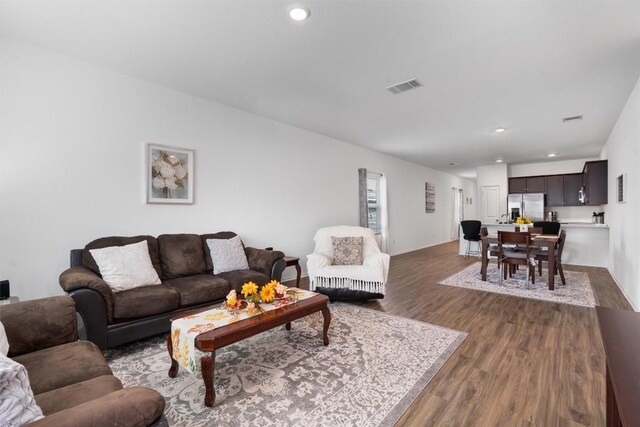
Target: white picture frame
{"points": [[169, 174]]}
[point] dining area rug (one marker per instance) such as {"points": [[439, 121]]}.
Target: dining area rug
{"points": [[374, 367], [577, 291]]}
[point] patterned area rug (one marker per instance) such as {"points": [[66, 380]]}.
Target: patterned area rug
{"points": [[577, 291], [374, 367]]}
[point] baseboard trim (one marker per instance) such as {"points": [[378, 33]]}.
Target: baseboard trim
{"points": [[287, 277], [617, 282]]}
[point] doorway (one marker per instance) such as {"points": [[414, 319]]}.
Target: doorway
{"points": [[490, 204]]}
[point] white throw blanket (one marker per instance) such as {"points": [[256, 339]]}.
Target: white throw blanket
{"points": [[371, 276], [17, 405]]}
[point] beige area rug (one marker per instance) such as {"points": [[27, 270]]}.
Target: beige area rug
{"points": [[373, 369], [577, 291]]}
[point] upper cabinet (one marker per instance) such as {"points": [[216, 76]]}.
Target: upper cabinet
{"points": [[565, 190], [594, 179], [517, 185], [533, 184], [555, 190], [571, 189]]}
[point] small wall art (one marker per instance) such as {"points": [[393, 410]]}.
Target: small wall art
{"points": [[430, 197], [169, 174]]}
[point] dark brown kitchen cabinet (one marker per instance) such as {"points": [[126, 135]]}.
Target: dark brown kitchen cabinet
{"points": [[535, 184], [555, 190], [594, 179], [517, 185], [571, 188]]}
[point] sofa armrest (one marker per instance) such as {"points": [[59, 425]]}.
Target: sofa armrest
{"points": [[129, 407], [38, 324], [262, 260], [80, 277], [379, 260], [317, 261]]}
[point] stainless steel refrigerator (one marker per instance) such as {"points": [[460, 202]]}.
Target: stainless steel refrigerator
{"points": [[529, 205]]}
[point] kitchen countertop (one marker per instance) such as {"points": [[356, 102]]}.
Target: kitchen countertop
{"points": [[564, 224]]}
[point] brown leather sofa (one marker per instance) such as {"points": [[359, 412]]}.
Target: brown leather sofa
{"points": [[71, 381], [185, 268]]}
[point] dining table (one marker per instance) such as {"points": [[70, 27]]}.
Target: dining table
{"points": [[548, 241]]}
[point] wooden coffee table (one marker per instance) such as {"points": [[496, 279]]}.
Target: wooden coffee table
{"points": [[209, 342]]}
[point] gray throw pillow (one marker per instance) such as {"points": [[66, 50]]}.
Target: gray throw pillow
{"points": [[227, 255], [347, 250]]}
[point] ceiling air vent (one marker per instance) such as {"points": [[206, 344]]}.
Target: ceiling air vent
{"points": [[404, 86], [572, 118]]}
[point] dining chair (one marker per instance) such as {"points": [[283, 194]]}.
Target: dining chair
{"points": [[541, 256], [509, 256], [532, 230], [548, 227]]}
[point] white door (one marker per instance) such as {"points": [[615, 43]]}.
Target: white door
{"points": [[490, 204]]}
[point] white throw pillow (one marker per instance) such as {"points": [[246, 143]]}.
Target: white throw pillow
{"points": [[126, 267], [227, 255], [4, 341], [17, 404]]}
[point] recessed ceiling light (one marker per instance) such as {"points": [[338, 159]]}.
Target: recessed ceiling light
{"points": [[499, 160], [551, 155], [499, 130], [453, 164], [299, 13]]}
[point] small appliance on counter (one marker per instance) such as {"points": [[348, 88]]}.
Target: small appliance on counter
{"points": [[598, 218], [552, 216]]}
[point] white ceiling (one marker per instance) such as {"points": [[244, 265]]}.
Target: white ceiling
{"points": [[521, 65]]}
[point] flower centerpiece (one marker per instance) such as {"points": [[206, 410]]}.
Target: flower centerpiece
{"points": [[523, 220], [253, 295]]}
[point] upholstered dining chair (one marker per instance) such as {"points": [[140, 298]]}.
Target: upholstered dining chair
{"points": [[541, 256], [508, 256], [347, 282]]}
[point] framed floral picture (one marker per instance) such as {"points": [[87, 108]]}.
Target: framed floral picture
{"points": [[169, 174]]}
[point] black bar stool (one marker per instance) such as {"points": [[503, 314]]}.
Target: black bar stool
{"points": [[471, 231]]}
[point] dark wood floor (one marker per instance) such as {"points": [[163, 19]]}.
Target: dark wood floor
{"points": [[524, 363]]}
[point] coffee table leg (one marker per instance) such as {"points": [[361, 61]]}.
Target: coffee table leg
{"points": [[173, 370], [207, 364], [327, 321], [288, 326]]}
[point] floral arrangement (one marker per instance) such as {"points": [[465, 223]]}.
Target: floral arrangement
{"points": [[523, 220], [254, 295], [168, 172]]}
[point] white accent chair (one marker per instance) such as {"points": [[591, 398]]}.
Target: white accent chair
{"points": [[347, 281]]}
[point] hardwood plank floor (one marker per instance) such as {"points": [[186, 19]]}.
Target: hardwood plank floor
{"points": [[524, 363]]}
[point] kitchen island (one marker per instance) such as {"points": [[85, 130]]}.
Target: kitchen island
{"points": [[586, 244]]}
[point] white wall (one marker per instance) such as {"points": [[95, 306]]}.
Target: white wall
{"points": [[72, 149], [493, 175], [623, 152]]}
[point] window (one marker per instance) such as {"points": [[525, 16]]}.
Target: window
{"points": [[373, 201]]}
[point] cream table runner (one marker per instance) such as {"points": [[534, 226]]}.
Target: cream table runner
{"points": [[185, 330]]}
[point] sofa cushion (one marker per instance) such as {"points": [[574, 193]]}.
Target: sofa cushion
{"points": [[237, 278], [29, 330], [126, 267], [105, 242], [76, 394], [200, 288], [227, 255], [63, 365], [141, 302], [181, 255], [224, 235]]}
